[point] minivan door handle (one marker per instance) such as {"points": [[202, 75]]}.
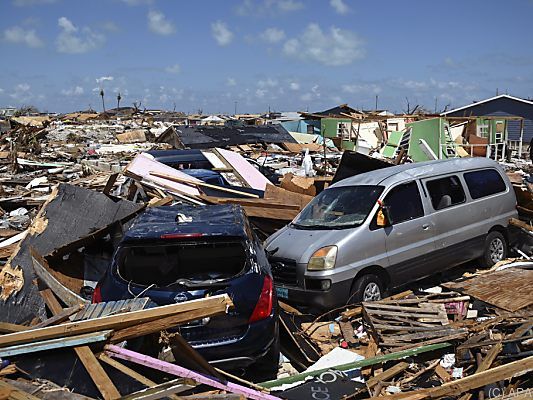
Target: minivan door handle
{"points": [[425, 227]]}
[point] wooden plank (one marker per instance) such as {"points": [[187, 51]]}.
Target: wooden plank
{"points": [[44, 345], [459, 386], [110, 183], [51, 301], [375, 307], [119, 321], [387, 374], [41, 268], [60, 317], [14, 393], [97, 373], [129, 372], [159, 391], [181, 349], [202, 184], [119, 352], [6, 327], [163, 323], [489, 358]]}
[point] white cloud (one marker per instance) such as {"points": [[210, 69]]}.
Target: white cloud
{"points": [[231, 82], [334, 48], [1, 90], [264, 83], [339, 6], [23, 87], [294, 86], [290, 5], [260, 93], [273, 35], [110, 26], [173, 69], [158, 23], [221, 33], [74, 91], [361, 88], [72, 40], [23, 94], [104, 79], [22, 3], [268, 7], [20, 35]]}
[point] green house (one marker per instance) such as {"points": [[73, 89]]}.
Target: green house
{"points": [[425, 140]]}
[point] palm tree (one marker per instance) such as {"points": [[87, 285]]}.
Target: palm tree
{"points": [[102, 95]]}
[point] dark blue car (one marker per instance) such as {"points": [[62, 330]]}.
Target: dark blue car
{"points": [[180, 253]]}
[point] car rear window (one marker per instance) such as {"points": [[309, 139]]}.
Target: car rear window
{"points": [[484, 183], [445, 192], [163, 264]]}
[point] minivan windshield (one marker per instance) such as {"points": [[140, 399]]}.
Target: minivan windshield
{"points": [[338, 208]]}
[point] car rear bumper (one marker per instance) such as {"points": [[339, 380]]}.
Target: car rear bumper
{"points": [[251, 347], [336, 296]]}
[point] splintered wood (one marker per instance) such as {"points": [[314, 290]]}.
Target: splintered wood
{"points": [[509, 289], [403, 324]]}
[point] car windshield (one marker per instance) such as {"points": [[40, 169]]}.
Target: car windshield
{"points": [[339, 207]]}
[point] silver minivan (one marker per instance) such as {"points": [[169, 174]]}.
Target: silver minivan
{"points": [[386, 228]]}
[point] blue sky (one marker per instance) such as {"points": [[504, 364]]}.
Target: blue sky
{"points": [[289, 55]]}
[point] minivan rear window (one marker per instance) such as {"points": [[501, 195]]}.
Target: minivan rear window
{"points": [[484, 183], [445, 192]]}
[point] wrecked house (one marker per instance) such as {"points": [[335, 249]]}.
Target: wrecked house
{"points": [[517, 131]]}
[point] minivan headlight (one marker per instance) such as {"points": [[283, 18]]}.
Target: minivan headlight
{"points": [[322, 259]]}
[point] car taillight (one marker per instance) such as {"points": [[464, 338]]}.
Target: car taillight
{"points": [[97, 295], [263, 308]]}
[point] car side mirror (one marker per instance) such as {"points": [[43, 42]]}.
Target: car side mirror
{"points": [[383, 217]]}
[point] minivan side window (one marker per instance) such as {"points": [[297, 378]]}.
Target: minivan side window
{"points": [[484, 183], [404, 203], [445, 192]]}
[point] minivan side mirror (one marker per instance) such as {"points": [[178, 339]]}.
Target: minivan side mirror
{"points": [[383, 217]]}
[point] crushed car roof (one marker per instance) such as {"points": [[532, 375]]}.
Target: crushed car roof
{"points": [[214, 220]]}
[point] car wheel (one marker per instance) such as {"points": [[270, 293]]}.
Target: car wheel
{"points": [[366, 288], [267, 367], [495, 249]]}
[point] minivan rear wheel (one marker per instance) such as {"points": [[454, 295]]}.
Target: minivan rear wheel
{"points": [[495, 249], [366, 288]]}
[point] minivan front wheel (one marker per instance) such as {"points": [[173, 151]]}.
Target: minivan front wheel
{"points": [[495, 249], [366, 288]]}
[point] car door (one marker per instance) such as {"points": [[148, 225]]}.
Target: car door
{"points": [[454, 218], [409, 237]]}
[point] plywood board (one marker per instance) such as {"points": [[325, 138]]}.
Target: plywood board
{"points": [[141, 166], [246, 171], [509, 289]]}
